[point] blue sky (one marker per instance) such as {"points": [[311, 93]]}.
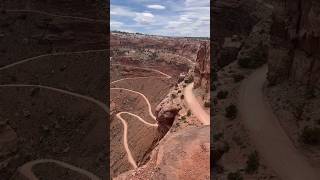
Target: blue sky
{"points": [[162, 17]]}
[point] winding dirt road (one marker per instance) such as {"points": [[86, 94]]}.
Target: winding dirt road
{"points": [[270, 139], [195, 106], [26, 169], [124, 122], [48, 55], [87, 98], [183, 57], [56, 15]]}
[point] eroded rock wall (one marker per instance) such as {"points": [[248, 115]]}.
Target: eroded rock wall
{"points": [[202, 68], [296, 47]]}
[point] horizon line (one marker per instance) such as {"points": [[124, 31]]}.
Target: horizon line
{"points": [[140, 33]]}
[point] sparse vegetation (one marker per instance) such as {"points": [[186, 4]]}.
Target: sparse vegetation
{"points": [[207, 104], [237, 140], [310, 136], [189, 113], [253, 163], [215, 101], [255, 58], [213, 87], [237, 78], [222, 94], [231, 111], [188, 79], [299, 109], [217, 136], [235, 176], [310, 93]]}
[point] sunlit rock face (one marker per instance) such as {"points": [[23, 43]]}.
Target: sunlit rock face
{"points": [[202, 68]]}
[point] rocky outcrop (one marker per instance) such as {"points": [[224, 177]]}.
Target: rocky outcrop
{"points": [[233, 22], [202, 68], [166, 112], [254, 53], [183, 155], [296, 36]]}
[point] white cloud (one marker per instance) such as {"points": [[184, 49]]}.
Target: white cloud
{"points": [[197, 3], [115, 25], [144, 18], [121, 11], [156, 6], [186, 18], [140, 17]]}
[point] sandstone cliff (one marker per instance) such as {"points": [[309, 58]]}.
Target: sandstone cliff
{"points": [[233, 22], [202, 68], [296, 37], [294, 72]]}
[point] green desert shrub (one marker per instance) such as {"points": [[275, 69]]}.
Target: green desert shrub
{"points": [[217, 136], [310, 136], [255, 58], [245, 62], [215, 101], [213, 87], [235, 176], [222, 94], [189, 113], [231, 111], [253, 163], [207, 104], [238, 78], [188, 79], [310, 93]]}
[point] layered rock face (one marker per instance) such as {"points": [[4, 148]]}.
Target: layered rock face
{"points": [[233, 22], [202, 68], [297, 23]]}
